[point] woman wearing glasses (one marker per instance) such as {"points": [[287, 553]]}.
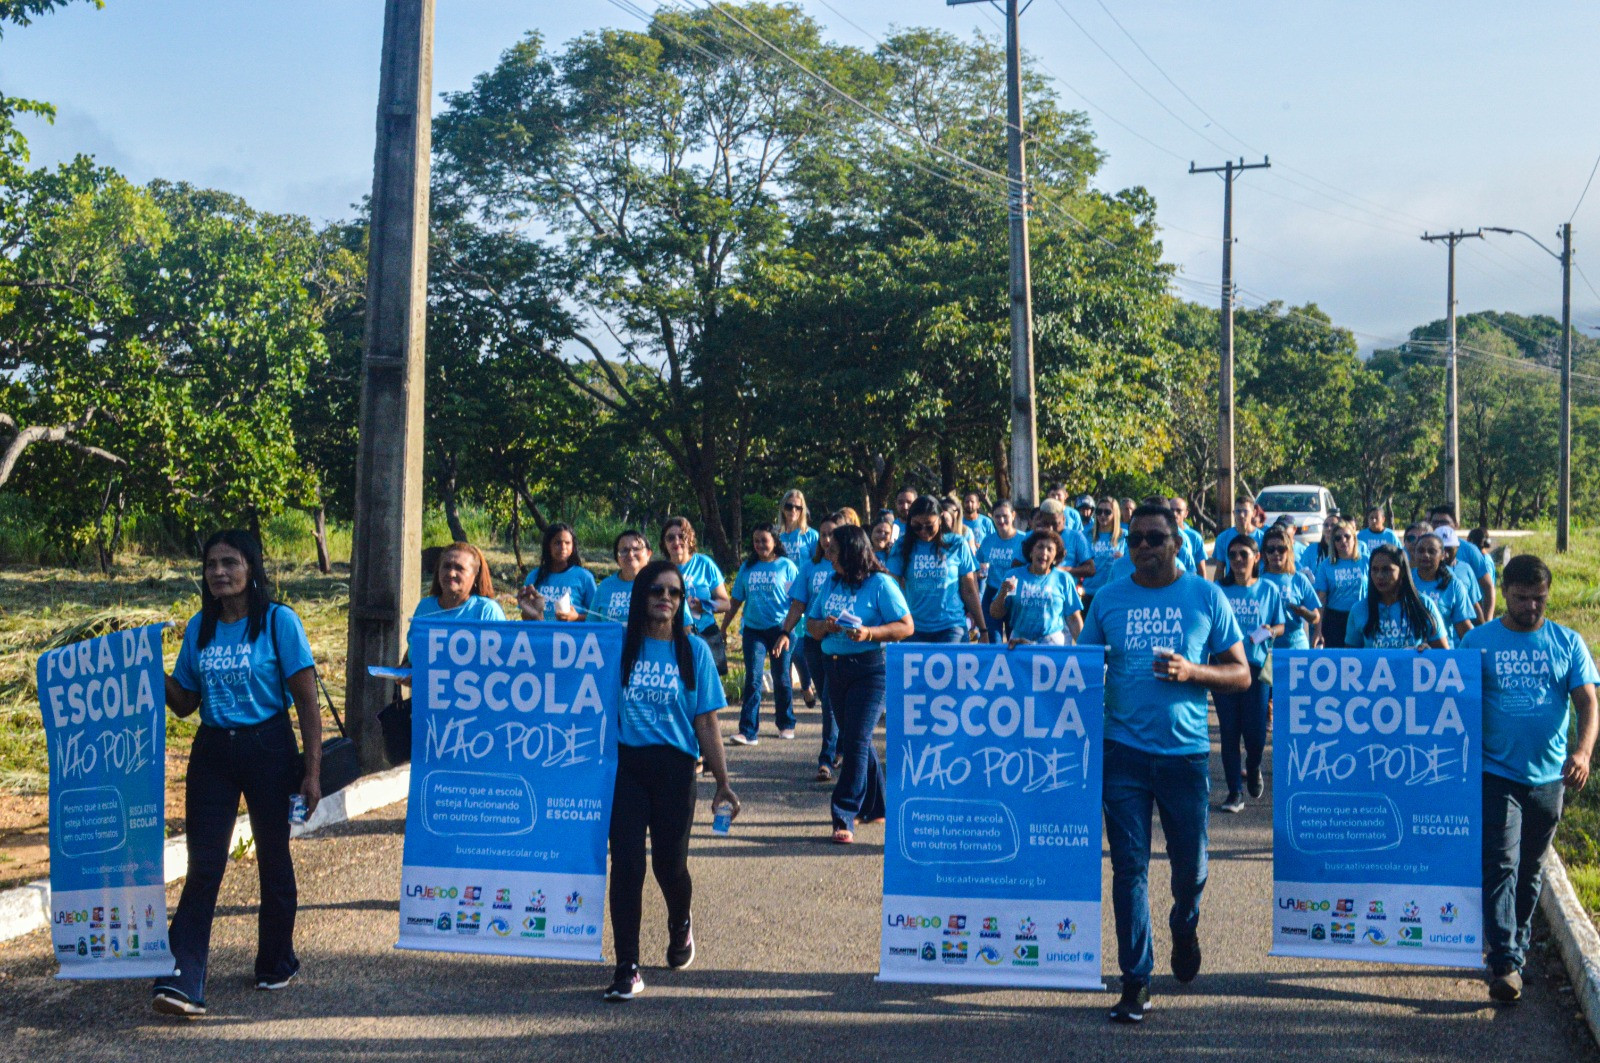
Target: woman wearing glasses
{"points": [[940, 577], [1302, 607], [1242, 715], [1107, 543], [799, 542], [855, 609], [668, 718], [615, 593], [1341, 582], [1392, 615], [701, 578]]}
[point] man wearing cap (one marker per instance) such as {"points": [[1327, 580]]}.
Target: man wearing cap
{"points": [[1475, 561]]}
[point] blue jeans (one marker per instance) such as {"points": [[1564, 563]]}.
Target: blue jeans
{"points": [[808, 678], [1518, 823], [758, 642], [1242, 717], [995, 630], [949, 634], [1179, 786], [856, 683], [262, 764], [816, 663]]}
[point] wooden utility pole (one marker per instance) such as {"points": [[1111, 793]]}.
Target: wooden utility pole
{"points": [[385, 562], [1452, 420], [1225, 469]]}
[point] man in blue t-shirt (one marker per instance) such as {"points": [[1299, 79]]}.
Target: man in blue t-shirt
{"points": [[1169, 639], [1534, 673], [1470, 560]]}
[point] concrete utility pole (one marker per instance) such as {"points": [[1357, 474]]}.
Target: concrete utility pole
{"points": [[1564, 487], [1024, 431], [1225, 470], [386, 547], [1452, 420]]}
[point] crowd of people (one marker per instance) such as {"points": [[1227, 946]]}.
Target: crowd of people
{"points": [[817, 598]]}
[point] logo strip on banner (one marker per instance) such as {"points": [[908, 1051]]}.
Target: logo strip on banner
{"points": [[105, 723], [1377, 806], [991, 871], [514, 757]]}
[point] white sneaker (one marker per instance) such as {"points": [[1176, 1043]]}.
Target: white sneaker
{"points": [[739, 739], [787, 733]]}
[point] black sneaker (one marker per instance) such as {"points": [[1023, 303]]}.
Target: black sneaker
{"points": [[1254, 784], [1185, 956], [625, 983], [271, 984], [171, 1002], [1234, 802], [680, 945], [1130, 1009], [1505, 984]]}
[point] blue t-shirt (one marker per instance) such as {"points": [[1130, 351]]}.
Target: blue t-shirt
{"points": [[799, 544], [1296, 590], [1258, 605], [476, 607], [1371, 540], [657, 709], [877, 601], [1344, 582], [242, 683], [1394, 633], [810, 580], [1219, 549], [612, 599], [1528, 677], [1453, 601], [1001, 555], [1189, 615], [1476, 560], [933, 582], [980, 526], [1073, 520], [1197, 546], [576, 583], [1078, 550], [701, 577], [1103, 547], [763, 587], [1040, 605]]}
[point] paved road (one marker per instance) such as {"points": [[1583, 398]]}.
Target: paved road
{"points": [[787, 928]]}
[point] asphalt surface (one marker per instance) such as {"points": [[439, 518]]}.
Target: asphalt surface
{"points": [[787, 930]]}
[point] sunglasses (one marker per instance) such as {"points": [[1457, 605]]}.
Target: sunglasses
{"points": [[1156, 539], [1103, 512], [666, 590], [924, 526], [792, 506], [1277, 550]]}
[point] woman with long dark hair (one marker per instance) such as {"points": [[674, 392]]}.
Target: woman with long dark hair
{"points": [[244, 659], [614, 596], [940, 577], [856, 608], [667, 719], [561, 580], [813, 574], [762, 588], [1242, 715], [1392, 615], [1436, 581]]}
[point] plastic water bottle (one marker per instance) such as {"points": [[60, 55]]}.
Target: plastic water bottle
{"points": [[722, 817], [297, 810]]}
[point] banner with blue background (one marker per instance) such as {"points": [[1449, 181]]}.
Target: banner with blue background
{"points": [[105, 723], [1377, 806], [991, 870], [514, 756]]}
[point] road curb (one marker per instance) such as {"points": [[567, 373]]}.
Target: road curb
{"points": [[27, 908], [1575, 936]]}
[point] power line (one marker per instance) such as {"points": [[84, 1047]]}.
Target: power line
{"points": [[1585, 191]]}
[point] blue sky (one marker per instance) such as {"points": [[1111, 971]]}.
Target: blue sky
{"points": [[1382, 120]]}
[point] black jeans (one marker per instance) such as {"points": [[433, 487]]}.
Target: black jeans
{"points": [[261, 763], [1518, 823], [655, 791]]}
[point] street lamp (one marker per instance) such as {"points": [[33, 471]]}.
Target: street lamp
{"points": [[1564, 487]]}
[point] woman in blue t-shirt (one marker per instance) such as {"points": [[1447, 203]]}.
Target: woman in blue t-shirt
{"points": [[703, 581], [1436, 581], [668, 718], [857, 607], [1107, 544], [1242, 715], [814, 571], [244, 659], [561, 580], [1040, 601], [883, 535], [1376, 534], [799, 540], [463, 589], [762, 588], [1301, 605], [998, 554], [615, 593], [940, 577], [1393, 615], [1341, 582]]}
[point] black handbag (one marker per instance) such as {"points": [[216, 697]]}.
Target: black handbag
{"points": [[718, 642], [395, 719], [341, 762]]}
